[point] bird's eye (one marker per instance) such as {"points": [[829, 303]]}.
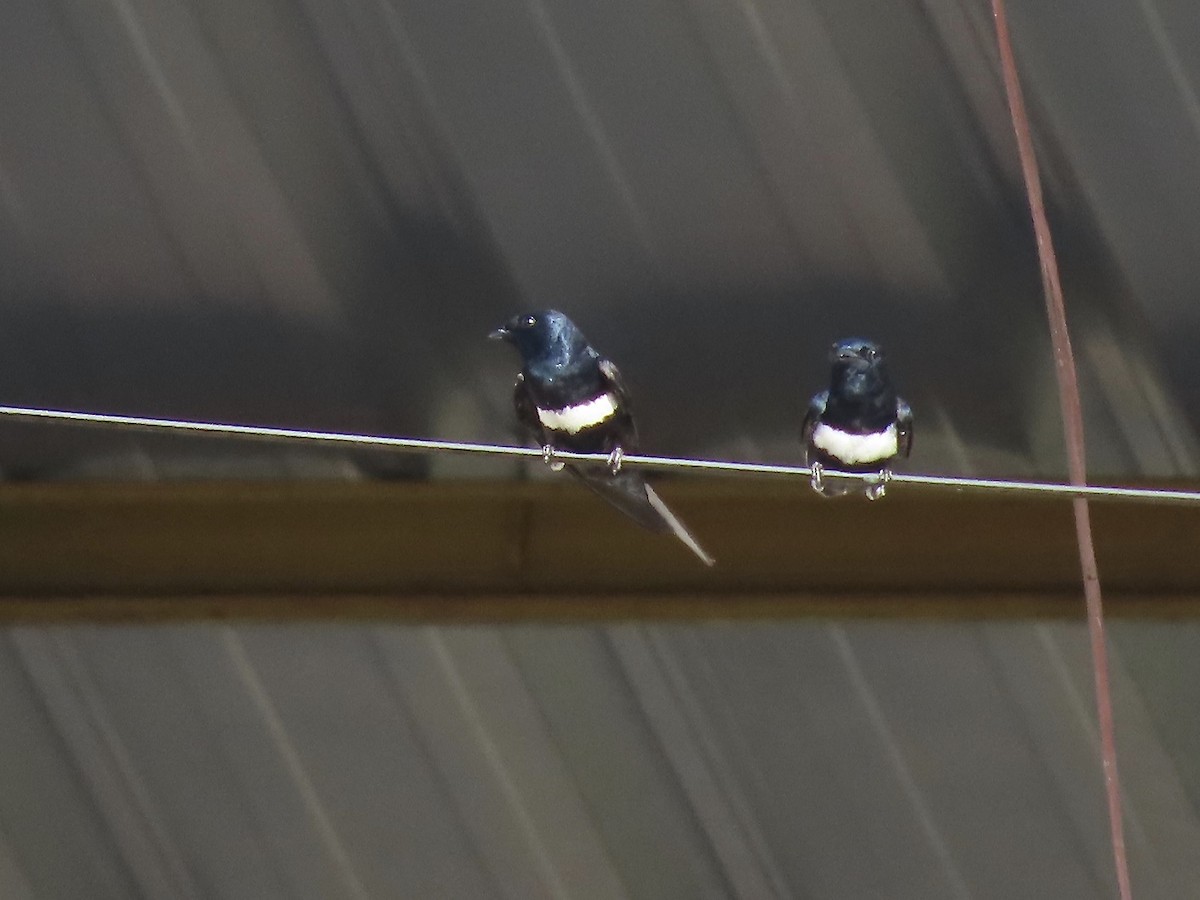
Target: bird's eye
{"points": [[530, 321]]}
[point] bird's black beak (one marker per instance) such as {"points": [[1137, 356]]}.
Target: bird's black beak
{"points": [[499, 334]]}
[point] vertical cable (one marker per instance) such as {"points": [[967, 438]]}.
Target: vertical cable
{"points": [[1072, 414]]}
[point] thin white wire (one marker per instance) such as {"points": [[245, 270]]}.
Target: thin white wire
{"points": [[425, 445]]}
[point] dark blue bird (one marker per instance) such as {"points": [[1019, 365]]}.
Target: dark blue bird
{"points": [[569, 397], [859, 424]]}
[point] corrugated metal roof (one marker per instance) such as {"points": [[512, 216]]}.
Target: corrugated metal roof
{"points": [[805, 760], [311, 213]]}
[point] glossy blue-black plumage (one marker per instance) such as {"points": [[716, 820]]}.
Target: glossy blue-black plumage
{"points": [[861, 400], [861, 397], [561, 367], [562, 370]]}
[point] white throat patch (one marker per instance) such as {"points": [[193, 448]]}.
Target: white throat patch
{"points": [[856, 449], [574, 419]]}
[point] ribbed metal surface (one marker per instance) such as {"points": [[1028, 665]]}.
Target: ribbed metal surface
{"points": [[308, 213], [809, 760]]}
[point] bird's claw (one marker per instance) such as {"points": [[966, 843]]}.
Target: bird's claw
{"points": [[817, 478], [615, 459], [877, 485], [548, 457]]}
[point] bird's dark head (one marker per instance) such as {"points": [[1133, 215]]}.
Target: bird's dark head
{"points": [[858, 367], [855, 353], [543, 334]]}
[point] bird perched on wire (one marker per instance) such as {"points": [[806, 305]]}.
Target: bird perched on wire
{"points": [[859, 424], [571, 398]]}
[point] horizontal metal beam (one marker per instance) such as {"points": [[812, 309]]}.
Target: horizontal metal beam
{"points": [[549, 550], [474, 608]]}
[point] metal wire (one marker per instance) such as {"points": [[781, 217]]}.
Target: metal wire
{"points": [[670, 463]]}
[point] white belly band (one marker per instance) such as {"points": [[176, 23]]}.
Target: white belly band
{"points": [[856, 449], [574, 419]]}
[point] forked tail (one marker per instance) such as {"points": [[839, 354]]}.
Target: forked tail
{"points": [[629, 492], [677, 527]]}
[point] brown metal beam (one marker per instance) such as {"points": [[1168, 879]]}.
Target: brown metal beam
{"points": [[486, 552]]}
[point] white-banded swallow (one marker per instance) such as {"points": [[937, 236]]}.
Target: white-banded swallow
{"points": [[859, 424], [568, 397]]}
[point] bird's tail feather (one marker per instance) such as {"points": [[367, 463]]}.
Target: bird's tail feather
{"points": [[678, 527], [629, 492]]}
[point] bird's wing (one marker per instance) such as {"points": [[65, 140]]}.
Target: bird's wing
{"points": [[627, 428], [626, 491], [613, 379], [527, 411], [904, 427], [816, 408]]}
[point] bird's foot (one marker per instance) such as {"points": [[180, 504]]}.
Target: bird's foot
{"points": [[817, 479], [615, 459], [877, 484], [548, 457]]}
